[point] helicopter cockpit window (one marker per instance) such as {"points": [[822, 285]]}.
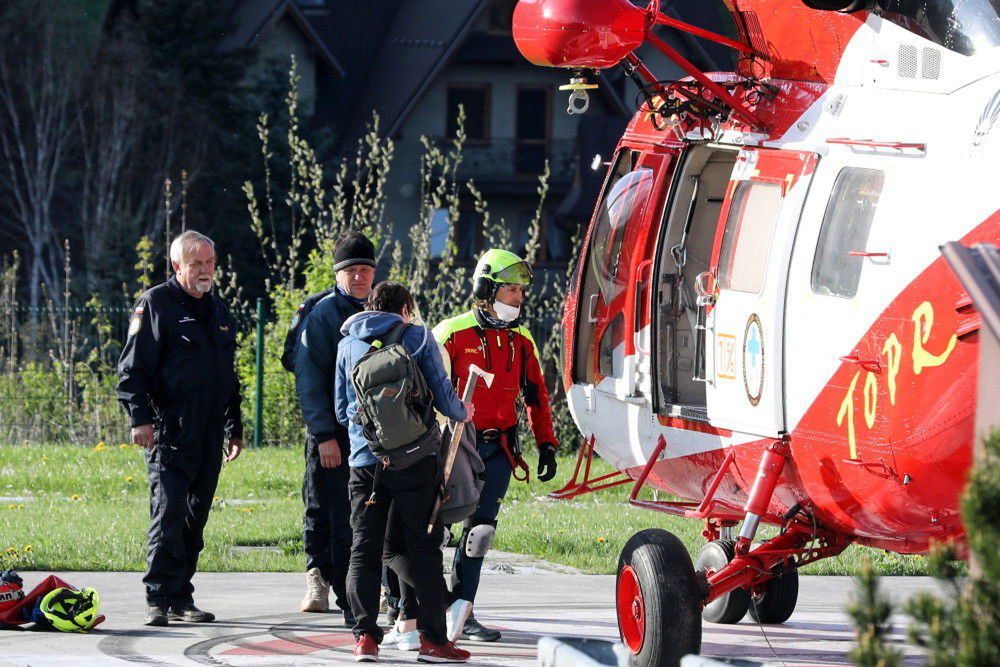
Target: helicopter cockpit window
{"points": [[746, 243], [963, 26], [846, 223]]}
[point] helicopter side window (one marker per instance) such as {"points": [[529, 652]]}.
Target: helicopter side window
{"points": [[846, 224], [746, 243]]}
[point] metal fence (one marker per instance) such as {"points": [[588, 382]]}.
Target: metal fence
{"points": [[58, 370]]}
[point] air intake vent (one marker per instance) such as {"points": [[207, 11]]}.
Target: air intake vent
{"points": [[930, 63], [907, 61]]}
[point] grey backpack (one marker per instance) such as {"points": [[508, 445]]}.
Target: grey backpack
{"points": [[395, 406], [468, 474]]}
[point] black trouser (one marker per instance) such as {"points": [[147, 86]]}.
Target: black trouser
{"points": [[394, 528], [183, 471], [326, 524]]}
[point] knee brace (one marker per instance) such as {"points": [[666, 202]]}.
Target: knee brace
{"points": [[477, 538]]}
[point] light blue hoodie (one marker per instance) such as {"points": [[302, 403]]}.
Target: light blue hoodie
{"points": [[359, 331]]}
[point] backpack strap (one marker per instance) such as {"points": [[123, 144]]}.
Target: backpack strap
{"points": [[395, 334]]}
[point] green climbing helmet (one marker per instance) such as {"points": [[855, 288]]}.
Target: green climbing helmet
{"points": [[498, 267], [71, 610]]}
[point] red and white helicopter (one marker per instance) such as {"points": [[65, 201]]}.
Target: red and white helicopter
{"points": [[761, 321]]}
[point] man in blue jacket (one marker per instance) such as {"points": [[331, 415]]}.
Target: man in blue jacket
{"points": [[394, 526], [326, 528]]}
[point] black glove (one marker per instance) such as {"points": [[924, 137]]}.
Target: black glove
{"points": [[546, 461]]}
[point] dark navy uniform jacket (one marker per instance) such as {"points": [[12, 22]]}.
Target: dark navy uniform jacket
{"points": [[178, 352], [316, 365]]}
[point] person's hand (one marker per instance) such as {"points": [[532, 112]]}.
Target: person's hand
{"points": [[470, 410], [546, 462], [143, 436], [235, 447], [329, 453]]}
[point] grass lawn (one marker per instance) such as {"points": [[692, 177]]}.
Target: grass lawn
{"points": [[76, 508]]}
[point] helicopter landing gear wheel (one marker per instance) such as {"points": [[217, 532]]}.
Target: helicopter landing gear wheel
{"points": [[732, 606], [657, 600], [775, 601]]}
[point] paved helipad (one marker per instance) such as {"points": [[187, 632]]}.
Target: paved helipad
{"points": [[258, 624]]}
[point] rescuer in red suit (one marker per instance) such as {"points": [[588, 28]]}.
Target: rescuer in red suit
{"points": [[491, 336]]}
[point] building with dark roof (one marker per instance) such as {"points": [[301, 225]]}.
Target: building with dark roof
{"points": [[415, 62]]}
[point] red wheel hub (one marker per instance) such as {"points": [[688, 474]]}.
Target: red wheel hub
{"points": [[631, 610]]}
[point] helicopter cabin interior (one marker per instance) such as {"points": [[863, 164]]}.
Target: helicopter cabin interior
{"points": [[684, 251]]}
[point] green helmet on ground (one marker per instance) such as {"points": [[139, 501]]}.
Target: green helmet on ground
{"points": [[70, 610], [498, 267]]}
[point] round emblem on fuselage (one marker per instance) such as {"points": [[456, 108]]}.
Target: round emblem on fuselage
{"points": [[753, 359]]}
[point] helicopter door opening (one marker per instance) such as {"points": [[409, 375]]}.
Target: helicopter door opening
{"points": [[619, 233], [685, 251], [744, 291]]}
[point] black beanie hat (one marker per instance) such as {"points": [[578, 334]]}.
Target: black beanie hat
{"points": [[353, 248]]}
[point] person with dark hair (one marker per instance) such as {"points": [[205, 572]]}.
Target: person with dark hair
{"points": [[392, 497], [326, 528]]}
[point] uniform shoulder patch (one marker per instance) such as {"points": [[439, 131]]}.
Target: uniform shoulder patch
{"points": [[136, 324]]}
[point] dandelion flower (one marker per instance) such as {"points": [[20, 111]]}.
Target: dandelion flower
{"points": [[75, 496], [28, 549], [600, 539], [100, 447]]}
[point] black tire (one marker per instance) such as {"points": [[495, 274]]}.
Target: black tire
{"points": [[731, 607], [657, 599], [777, 602]]}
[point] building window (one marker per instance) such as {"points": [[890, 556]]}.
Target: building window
{"points": [[746, 243], [475, 99], [440, 228], [532, 131], [468, 235], [846, 223]]}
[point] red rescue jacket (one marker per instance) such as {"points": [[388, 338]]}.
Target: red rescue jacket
{"points": [[512, 356]]}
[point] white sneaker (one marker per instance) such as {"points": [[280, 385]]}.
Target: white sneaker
{"points": [[456, 616], [409, 641], [317, 597], [403, 639]]}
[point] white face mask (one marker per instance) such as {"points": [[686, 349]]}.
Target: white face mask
{"points": [[505, 312]]}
